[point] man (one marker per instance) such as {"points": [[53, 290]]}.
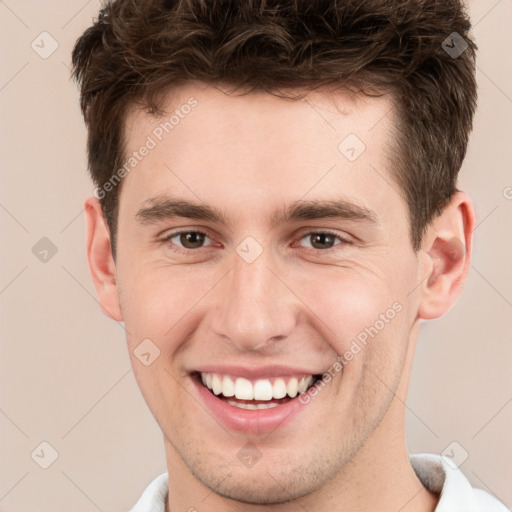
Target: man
{"points": [[275, 212]]}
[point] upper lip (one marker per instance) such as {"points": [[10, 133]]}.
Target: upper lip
{"points": [[256, 372]]}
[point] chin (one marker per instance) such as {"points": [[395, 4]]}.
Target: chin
{"points": [[264, 488], [278, 479]]}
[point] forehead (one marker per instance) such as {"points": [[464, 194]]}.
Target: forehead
{"points": [[216, 146], [325, 112]]}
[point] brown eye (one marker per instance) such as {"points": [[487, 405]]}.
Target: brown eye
{"points": [[188, 239], [192, 240], [323, 240]]}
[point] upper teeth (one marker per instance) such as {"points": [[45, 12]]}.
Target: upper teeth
{"points": [[261, 389]]}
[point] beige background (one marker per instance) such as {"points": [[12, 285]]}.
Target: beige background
{"points": [[65, 373]]}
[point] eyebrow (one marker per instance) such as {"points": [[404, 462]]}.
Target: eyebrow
{"points": [[163, 208]]}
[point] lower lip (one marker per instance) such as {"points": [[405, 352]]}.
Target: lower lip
{"points": [[254, 421]]}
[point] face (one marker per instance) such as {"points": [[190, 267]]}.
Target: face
{"points": [[262, 243]]}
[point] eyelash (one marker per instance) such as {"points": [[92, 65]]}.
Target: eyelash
{"points": [[181, 250]]}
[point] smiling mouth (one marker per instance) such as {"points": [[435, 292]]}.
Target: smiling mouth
{"points": [[256, 394]]}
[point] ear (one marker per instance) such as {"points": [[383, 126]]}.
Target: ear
{"points": [[101, 262], [446, 249]]}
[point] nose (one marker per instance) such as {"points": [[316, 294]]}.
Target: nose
{"points": [[254, 306]]}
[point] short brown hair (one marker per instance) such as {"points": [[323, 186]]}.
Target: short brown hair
{"points": [[419, 50]]}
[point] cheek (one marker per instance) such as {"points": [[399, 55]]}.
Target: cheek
{"points": [[156, 298], [364, 315], [345, 301], [156, 306]]}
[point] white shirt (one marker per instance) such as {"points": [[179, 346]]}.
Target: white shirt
{"points": [[435, 473]]}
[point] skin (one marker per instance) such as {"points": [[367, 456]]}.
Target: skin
{"points": [[296, 304]]}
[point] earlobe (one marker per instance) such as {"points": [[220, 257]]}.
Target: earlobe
{"points": [[447, 250], [101, 262]]}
